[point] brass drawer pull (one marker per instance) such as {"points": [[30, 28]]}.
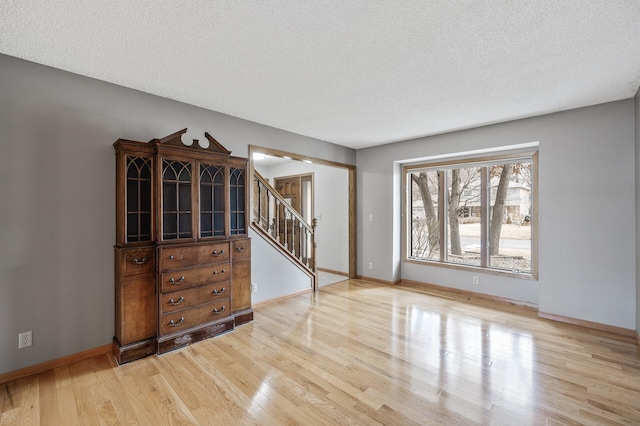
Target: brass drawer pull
{"points": [[222, 271], [239, 249], [174, 282], [139, 262], [217, 253], [176, 302], [173, 323], [216, 292], [218, 311]]}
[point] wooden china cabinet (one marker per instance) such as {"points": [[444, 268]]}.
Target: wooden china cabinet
{"points": [[182, 255]]}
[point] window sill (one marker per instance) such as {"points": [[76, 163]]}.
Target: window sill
{"points": [[490, 271]]}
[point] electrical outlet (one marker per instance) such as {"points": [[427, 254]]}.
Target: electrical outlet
{"points": [[254, 287], [370, 265], [25, 339], [475, 280]]}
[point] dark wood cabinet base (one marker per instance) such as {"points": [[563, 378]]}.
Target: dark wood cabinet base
{"points": [[126, 353], [170, 343], [243, 317]]}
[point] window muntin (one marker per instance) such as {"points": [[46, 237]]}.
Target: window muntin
{"points": [[455, 224]]}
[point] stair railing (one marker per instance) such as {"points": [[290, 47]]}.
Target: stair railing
{"points": [[283, 225]]}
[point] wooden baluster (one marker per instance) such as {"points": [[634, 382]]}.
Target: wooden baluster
{"points": [[302, 233], [293, 235], [299, 242], [291, 225], [307, 249], [286, 229], [259, 195], [266, 210], [256, 192], [277, 220]]}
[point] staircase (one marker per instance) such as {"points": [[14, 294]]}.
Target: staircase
{"points": [[283, 227]]}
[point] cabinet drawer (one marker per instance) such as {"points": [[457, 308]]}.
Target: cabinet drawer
{"points": [[241, 249], [186, 278], [183, 299], [172, 258], [138, 261], [181, 320]]}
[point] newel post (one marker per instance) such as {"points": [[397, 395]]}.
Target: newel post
{"points": [[314, 223]]}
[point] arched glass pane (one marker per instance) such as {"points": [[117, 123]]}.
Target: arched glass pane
{"points": [[236, 199], [138, 199], [168, 172], [211, 200], [176, 200]]}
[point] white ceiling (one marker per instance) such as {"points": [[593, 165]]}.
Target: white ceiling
{"points": [[353, 72]]}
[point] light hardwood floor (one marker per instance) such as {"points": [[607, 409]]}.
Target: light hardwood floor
{"points": [[355, 353]]}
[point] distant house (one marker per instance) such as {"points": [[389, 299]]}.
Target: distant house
{"points": [[518, 202]]}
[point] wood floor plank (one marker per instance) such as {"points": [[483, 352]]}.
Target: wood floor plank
{"points": [[355, 353], [20, 403], [83, 380], [48, 397]]}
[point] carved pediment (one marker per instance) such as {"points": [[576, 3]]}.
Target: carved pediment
{"points": [[175, 139]]}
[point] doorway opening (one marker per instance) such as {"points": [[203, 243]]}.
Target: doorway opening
{"points": [[319, 189]]}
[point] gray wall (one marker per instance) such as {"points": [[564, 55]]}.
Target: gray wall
{"points": [[57, 215], [587, 266], [637, 131]]}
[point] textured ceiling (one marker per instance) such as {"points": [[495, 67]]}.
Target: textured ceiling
{"points": [[356, 73]]}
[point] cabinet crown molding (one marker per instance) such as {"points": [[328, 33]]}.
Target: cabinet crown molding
{"points": [[175, 139]]}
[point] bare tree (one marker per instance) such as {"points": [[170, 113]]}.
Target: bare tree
{"points": [[523, 172], [431, 218], [454, 203], [497, 211], [461, 180], [420, 244]]}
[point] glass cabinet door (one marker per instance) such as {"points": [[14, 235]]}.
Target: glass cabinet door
{"points": [[176, 200], [138, 199], [212, 201], [237, 210]]}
